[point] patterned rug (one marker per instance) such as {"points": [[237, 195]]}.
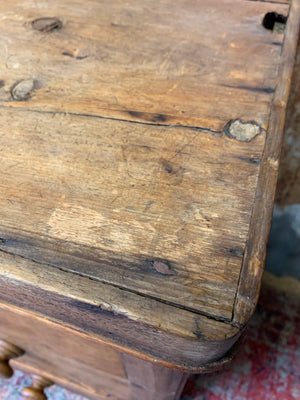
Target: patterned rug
{"points": [[266, 367]]}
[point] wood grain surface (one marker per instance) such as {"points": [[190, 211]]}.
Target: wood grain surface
{"points": [[139, 152], [143, 207], [188, 63]]}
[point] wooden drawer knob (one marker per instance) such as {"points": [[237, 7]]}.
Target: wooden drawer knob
{"points": [[36, 390], [7, 352]]}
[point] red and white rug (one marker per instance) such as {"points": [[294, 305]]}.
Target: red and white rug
{"points": [[267, 366]]}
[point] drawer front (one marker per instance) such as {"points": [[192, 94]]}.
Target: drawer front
{"points": [[63, 355]]}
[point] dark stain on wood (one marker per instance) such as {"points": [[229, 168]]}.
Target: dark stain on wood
{"points": [[9, 243], [236, 252], [66, 53], [173, 171], [197, 332], [277, 44], [167, 167], [267, 90], [47, 24], [90, 308], [158, 118], [250, 160]]}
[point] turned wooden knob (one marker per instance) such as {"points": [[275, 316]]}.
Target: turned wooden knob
{"points": [[36, 390], [7, 352]]}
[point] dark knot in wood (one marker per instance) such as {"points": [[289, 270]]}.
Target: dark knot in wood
{"points": [[22, 90], [47, 24], [162, 267]]}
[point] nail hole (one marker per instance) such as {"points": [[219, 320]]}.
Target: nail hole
{"points": [[274, 21], [74, 55], [66, 53], [47, 24]]}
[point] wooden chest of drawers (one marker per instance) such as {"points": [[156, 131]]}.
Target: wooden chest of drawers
{"points": [[140, 146]]}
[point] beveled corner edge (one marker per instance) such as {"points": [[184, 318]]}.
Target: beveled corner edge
{"points": [[254, 258]]}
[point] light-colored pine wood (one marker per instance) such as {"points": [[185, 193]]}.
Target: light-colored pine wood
{"points": [[139, 155], [148, 196], [137, 202], [192, 63]]}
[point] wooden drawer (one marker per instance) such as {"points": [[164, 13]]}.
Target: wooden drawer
{"points": [[66, 357]]}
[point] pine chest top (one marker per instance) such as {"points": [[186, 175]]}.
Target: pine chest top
{"points": [[139, 152]]}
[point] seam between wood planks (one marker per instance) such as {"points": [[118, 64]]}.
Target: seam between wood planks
{"points": [[193, 128]]}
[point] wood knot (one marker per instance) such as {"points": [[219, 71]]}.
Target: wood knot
{"points": [[22, 90], [162, 267], [47, 24], [242, 131]]}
